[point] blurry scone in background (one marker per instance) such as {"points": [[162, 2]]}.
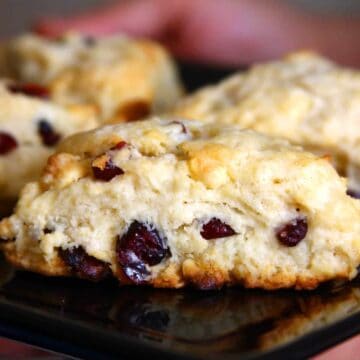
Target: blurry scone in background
{"points": [[303, 97], [123, 79]]}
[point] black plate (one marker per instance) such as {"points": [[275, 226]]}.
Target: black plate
{"points": [[104, 321], [88, 320]]}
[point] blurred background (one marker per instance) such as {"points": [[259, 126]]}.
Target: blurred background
{"points": [[229, 33], [18, 15]]}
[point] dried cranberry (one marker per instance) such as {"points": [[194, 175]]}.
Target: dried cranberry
{"points": [[120, 145], [140, 245], [84, 265], [133, 268], [145, 242], [109, 171], [291, 233], [7, 143], [353, 193], [48, 135], [29, 89], [215, 228]]}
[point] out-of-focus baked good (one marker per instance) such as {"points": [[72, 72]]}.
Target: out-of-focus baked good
{"points": [[170, 203], [124, 79], [303, 97], [30, 128]]}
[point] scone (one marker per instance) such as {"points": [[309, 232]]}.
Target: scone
{"points": [[123, 79], [30, 127], [170, 203], [303, 97]]}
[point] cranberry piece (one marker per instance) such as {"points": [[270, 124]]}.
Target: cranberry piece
{"points": [[120, 145], [48, 135], [291, 233], [133, 268], [29, 89], [84, 265], [140, 245], [215, 228], [7, 143], [109, 171], [145, 242], [353, 193]]}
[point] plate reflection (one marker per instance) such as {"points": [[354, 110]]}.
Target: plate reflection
{"points": [[223, 321]]}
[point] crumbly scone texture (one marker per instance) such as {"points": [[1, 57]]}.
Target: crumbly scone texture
{"points": [[175, 178], [303, 97], [20, 118], [124, 79]]}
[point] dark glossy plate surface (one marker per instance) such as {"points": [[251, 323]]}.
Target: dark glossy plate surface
{"points": [[104, 321]]}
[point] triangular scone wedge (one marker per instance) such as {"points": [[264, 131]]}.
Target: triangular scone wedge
{"points": [[170, 203], [303, 97]]}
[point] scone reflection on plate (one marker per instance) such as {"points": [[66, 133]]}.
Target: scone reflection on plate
{"points": [[123, 79], [228, 321], [170, 202], [303, 97]]}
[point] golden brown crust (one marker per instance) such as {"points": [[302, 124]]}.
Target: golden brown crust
{"points": [[36, 264], [204, 276], [131, 111], [199, 275]]}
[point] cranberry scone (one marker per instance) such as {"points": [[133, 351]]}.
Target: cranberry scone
{"points": [[123, 79], [30, 128], [168, 203], [303, 97]]}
